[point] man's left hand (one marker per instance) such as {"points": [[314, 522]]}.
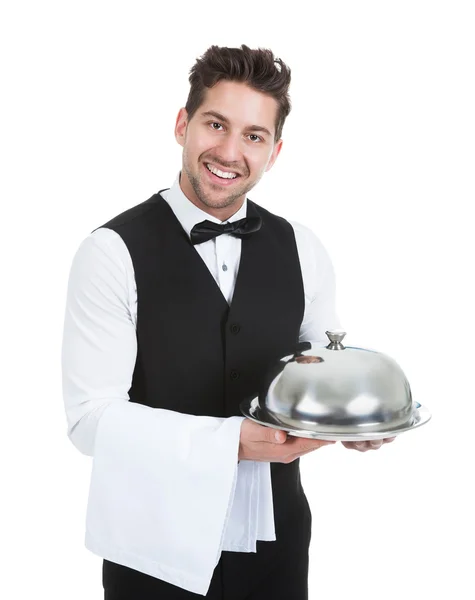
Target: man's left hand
{"points": [[365, 445]]}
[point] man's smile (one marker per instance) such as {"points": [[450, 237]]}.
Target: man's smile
{"points": [[220, 176]]}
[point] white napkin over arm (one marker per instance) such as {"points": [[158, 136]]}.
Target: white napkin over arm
{"points": [[162, 485], [166, 495]]}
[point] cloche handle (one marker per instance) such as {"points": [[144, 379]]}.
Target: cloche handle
{"points": [[335, 336]]}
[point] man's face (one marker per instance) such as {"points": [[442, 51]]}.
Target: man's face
{"points": [[233, 131]]}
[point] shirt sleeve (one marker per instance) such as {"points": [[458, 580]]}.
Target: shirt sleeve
{"points": [[99, 346], [319, 286]]}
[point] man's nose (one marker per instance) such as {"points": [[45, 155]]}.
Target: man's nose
{"points": [[231, 150]]}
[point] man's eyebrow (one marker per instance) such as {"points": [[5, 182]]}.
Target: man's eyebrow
{"points": [[220, 117]]}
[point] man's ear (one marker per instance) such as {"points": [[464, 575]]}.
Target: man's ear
{"points": [[275, 154], [180, 126]]}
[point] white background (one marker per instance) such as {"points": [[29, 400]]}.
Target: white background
{"points": [[378, 159]]}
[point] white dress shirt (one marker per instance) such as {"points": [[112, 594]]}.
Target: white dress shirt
{"points": [[148, 463]]}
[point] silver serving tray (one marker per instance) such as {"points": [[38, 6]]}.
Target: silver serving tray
{"points": [[261, 416]]}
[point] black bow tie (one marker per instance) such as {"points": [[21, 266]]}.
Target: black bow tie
{"points": [[206, 230]]}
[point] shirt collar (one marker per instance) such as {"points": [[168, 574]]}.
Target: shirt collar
{"points": [[189, 214]]}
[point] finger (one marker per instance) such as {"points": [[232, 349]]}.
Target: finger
{"points": [[356, 445], [360, 446], [316, 444], [298, 444], [375, 444], [389, 440]]}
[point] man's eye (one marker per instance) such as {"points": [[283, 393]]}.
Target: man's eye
{"points": [[213, 124], [253, 135]]}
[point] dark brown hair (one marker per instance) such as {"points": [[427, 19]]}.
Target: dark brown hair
{"points": [[257, 68]]}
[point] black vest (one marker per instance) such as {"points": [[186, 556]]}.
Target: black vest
{"points": [[198, 355]]}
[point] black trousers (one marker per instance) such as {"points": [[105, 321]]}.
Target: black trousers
{"points": [[278, 571]]}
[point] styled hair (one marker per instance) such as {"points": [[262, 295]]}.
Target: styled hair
{"points": [[259, 69]]}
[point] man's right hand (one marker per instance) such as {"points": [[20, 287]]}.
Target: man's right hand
{"points": [[273, 445]]}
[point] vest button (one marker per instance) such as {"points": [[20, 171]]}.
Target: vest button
{"points": [[235, 328], [234, 375]]}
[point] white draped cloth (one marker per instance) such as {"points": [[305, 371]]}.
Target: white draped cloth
{"points": [[167, 494], [163, 498]]}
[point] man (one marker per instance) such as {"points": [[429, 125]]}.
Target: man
{"points": [[176, 310]]}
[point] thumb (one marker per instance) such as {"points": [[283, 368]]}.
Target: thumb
{"points": [[276, 436], [253, 432]]}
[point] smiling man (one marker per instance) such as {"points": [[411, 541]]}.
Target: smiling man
{"points": [[228, 144], [177, 309]]}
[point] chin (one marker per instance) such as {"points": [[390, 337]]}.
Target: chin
{"points": [[217, 202]]}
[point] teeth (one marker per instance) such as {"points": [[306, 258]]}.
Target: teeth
{"points": [[221, 173]]}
